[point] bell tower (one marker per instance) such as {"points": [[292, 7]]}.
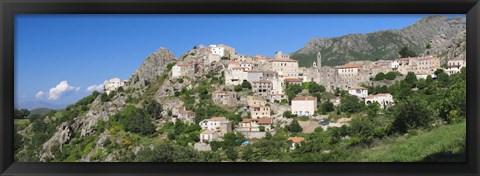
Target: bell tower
{"points": [[319, 60]]}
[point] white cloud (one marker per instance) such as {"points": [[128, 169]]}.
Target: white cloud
{"points": [[60, 90], [95, 87], [40, 95]]}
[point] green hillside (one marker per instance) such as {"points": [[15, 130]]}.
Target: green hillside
{"points": [[446, 143]]}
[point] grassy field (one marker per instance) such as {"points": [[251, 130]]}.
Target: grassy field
{"points": [[443, 144], [20, 123]]}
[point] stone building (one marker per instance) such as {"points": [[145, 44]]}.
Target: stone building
{"points": [[277, 97], [285, 67], [262, 87], [418, 65], [221, 97], [181, 113], [235, 76]]}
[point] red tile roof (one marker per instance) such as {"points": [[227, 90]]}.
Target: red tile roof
{"points": [[350, 66], [283, 60], [305, 98], [293, 80], [296, 139]]}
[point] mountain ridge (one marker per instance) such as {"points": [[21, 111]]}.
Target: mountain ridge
{"points": [[383, 44]]}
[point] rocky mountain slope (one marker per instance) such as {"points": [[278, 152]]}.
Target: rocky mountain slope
{"points": [[438, 31]]}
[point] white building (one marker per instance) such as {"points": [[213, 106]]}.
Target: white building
{"points": [[424, 75], [296, 141], [304, 106], [360, 92], [112, 85], [384, 99], [177, 71], [454, 66], [215, 128], [217, 50]]}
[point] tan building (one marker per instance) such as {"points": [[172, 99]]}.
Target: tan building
{"points": [[285, 67], [293, 81], [304, 106], [181, 113], [259, 111], [254, 124], [254, 101], [418, 65], [348, 70]]}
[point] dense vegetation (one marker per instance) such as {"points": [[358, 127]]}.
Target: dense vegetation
{"points": [[428, 114]]}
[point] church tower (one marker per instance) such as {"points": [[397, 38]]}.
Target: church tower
{"points": [[319, 60]]}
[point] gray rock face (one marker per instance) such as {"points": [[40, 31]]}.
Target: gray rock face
{"points": [[62, 136], [153, 66], [382, 44]]}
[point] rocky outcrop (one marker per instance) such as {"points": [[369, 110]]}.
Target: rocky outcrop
{"points": [[447, 48], [153, 66], [62, 136]]}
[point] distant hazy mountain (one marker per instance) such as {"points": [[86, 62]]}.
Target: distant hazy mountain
{"points": [[434, 30], [38, 104], [40, 111]]}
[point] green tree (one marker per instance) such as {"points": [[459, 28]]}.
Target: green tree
{"points": [[373, 109], [293, 90], [391, 75], [411, 113], [237, 88], [362, 130], [313, 87], [246, 84], [134, 120], [350, 104], [411, 79], [294, 127], [326, 107], [153, 109], [380, 76], [406, 52], [288, 114], [232, 155], [21, 113]]}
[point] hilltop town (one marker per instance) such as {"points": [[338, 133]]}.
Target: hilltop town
{"points": [[213, 104], [266, 81]]}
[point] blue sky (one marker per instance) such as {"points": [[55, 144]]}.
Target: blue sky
{"points": [[85, 50]]}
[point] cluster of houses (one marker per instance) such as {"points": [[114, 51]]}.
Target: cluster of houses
{"points": [[270, 76]]}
